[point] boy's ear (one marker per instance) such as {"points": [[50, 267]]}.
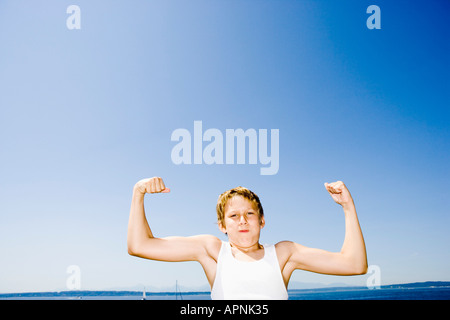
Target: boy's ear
{"points": [[262, 223], [222, 227]]}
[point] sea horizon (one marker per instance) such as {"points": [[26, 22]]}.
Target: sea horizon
{"points": [[437, 289]]}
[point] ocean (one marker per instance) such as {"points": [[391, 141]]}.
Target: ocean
{"points": [[344, 293]]}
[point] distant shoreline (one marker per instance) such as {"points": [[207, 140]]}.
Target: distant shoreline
{"points": [[119, 293]]}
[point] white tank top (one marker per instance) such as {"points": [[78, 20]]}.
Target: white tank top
{"points": [[242, 280]]}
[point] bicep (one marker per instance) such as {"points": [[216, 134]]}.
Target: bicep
{"points": [[174, 249], [319, 261]]}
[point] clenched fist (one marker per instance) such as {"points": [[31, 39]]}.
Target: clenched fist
{"points": [[151, 185], [339, 193]]}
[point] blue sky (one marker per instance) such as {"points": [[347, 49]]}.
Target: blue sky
{"points": [[84, 114]]}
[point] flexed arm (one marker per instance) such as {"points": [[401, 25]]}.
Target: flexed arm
{"points": [[351, 260], [353, 248], [139, 231], [142, 243]]}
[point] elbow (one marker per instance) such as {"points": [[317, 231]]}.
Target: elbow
{"points": [[360, 269], [132, 250], [355, 264], [355, 267], [134, 245], [137, 248]]}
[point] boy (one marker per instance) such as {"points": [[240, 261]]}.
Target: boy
{"points": [[242, 268]]}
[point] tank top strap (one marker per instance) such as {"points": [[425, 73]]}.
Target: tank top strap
{"points": [[270, 253]]}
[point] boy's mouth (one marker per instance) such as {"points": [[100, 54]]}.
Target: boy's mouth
{"points": [[243, 230]]}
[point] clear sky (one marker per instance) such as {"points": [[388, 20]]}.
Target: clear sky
{"points": [[85, 113]]}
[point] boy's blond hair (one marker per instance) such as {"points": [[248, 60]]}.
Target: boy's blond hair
{"points": [[238, 191]]}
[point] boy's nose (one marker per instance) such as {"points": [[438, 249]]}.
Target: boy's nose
{"points": [[243, 219]]}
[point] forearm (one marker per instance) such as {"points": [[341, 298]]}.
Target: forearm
{"points": [[138, 228], [354, 248]]}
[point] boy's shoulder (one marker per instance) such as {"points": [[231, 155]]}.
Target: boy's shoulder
{"points": [[210, 241], [285, 247]]}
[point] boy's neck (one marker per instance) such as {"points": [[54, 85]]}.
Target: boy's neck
{"points": [[251, 248]]}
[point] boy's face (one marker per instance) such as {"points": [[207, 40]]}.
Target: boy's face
{"points": [[242, 222]]}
